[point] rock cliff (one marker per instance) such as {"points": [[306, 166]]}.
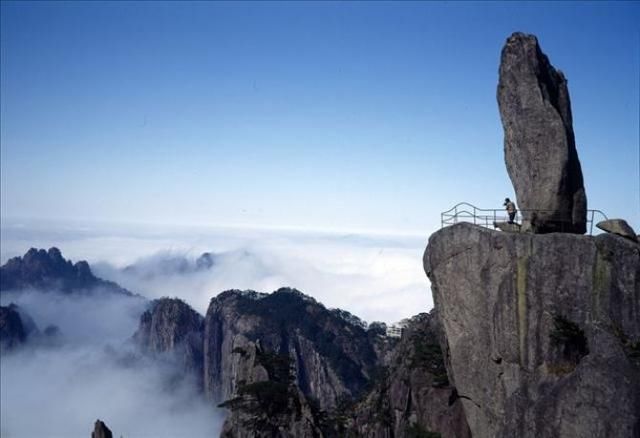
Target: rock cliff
{"points": [[539, 142], [286, 366], [283, 365], [331, 355], [170, 326], [412, 395], [271, 404], [542, 331]]}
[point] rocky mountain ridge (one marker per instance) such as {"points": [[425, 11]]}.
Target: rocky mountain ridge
{"points": [[46, 271], [165, 264], [284, 365]]}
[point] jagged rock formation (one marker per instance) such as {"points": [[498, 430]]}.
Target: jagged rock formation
{"points": [[286, 366], [100, 430], [12, 331], [412, 396], [48, 270], [331, 355], [283, 365], [172, 326], [542, 331], [619, 227], [539, 143]]}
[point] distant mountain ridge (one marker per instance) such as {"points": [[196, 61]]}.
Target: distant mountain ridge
{"points": [[165, 264], [49, 270]]}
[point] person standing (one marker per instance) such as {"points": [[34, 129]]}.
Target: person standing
{"points": [[511, 209]]}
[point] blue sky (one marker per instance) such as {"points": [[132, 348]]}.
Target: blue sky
{"points": [[360, 116]]}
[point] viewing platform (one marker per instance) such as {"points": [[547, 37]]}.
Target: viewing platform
{"points": [[492, 217]]}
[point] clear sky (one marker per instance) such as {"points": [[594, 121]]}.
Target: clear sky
{"points": [[367, 116]]}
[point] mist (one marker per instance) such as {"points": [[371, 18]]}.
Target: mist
{"points": [[376, 277], [93, 371]]}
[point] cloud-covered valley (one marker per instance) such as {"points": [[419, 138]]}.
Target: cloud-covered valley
{"points": [[92, 371]]}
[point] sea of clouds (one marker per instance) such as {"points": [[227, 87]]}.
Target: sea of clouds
{"points": [[90, 371], [62, 388], [376, 277]]}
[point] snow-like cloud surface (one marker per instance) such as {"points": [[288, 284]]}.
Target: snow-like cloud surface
{"points": [[61, 390], [376, 277], [92, 372]]}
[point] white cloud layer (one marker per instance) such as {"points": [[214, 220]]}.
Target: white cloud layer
{"points": [[60, 390], [375, 277]]}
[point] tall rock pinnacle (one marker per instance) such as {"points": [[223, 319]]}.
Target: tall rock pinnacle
{"points": [[539, 143]]}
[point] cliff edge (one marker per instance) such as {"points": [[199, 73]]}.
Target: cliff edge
{"points": [[542, 331]]}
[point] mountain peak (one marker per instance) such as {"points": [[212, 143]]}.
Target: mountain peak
{"points": [[48, 270]]}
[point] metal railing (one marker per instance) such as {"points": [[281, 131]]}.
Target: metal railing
{"points": [[486, 217]]}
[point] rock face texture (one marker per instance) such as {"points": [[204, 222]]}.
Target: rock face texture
{"points": [[412, 396], [100, 430], [619, 227], [172, 326], [542, 331], [285, 366], [272, 406], [48, 270], [331, 355], [539, 143]]}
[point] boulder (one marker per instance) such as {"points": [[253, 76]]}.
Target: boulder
{"points": [[619, 227], [539, 144], [542, 331]]}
